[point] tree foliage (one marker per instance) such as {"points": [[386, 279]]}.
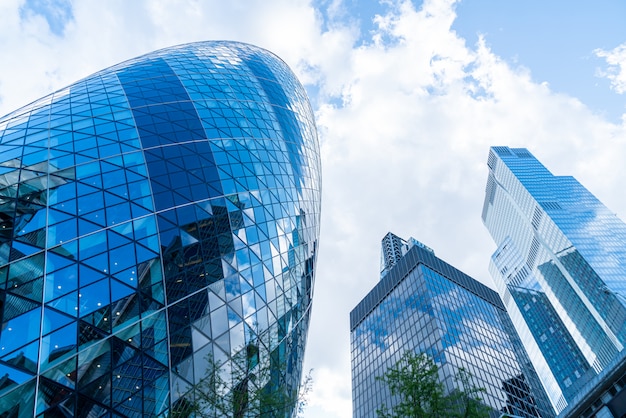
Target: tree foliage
{"points": [[415, 381], [467, 398], [244, 388]]}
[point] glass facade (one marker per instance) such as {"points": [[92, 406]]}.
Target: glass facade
{"points": [[560, 267], [153, 216], [424, 305]]}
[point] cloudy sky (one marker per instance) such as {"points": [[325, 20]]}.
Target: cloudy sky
{"points": [[408, 98]]}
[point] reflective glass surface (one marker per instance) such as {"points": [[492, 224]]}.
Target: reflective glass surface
{"points": [[560, 266], [424, 305], [154, 215]]}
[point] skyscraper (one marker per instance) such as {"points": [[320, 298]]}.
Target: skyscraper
{"points": [[561, 268], [393, 248], [153, 216], [424, 305]]}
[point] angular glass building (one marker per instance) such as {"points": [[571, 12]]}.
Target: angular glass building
{"points": [[424, 305], [155, 217], [560, 266]]}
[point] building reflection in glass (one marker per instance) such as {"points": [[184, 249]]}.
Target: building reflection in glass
{"points": [[424, 305], [560, 268]]}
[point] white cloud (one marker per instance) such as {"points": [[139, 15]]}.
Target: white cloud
{"points": [[407, 153], [105, 33], [616, 71], [330, 395]]}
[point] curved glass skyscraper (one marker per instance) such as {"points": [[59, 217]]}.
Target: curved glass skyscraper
{"points": [[155, 215]]}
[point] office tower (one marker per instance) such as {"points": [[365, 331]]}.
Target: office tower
{"points": [[560, 267], [393, 248], [424, 305], [155, 217]]}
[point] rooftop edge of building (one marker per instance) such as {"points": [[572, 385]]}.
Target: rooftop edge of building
{"points": [[415, 256]]}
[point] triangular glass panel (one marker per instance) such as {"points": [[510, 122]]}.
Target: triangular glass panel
{"points": [[215, 301], [89, 275], [91, 222], [223, 342], [53, 320], [128, 147], [112, 200], [115, 239], [95, 326], [120, 290], [93, 297], [198, 338], [84, 189], [66, 206], [259, 296], [120, 191], [12, 376], [24, 358], [143, 253], [23, 246], [67, 303], [59, 346], [97, 389], [61, 232], [132, 175], [139, 211], [56, 262], [37, 219], [99, 263], [121, 352], [32, 290], [62, 373], [244, 285], [153, 294], [67, 250], [88, 153], [227, 268], [187, 239], [18, 317]]}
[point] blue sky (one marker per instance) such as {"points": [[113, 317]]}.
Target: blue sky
{"points": [[57, 13], [555, 40], [408, 97]]}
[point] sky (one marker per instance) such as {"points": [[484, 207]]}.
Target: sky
{"points": [[408, 98]]}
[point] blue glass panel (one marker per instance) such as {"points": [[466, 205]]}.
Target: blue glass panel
{"points": [[68, 303], [92, 245], [61, 282], [93, 297], [20, 331], [53, 320], [13, 377], [59, 345], [25, 358]]}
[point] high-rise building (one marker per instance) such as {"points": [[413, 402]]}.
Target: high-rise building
{"points": [[393, 248], [560, 267], [155, 217], [424, 305]]}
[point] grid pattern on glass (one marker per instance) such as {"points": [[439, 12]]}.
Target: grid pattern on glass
{"points": [[428, 312], [152, 215], [571, 250]]}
